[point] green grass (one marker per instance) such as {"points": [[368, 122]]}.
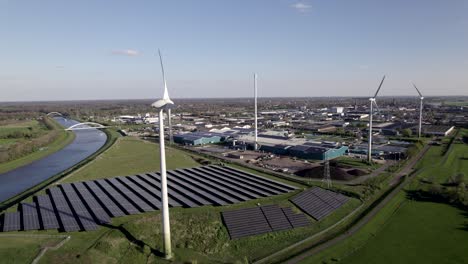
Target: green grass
{"points": [[129, 156], [457, 103], [407, 231], [32, 127], [439, 168], [7, 141], [63, 140], [197, 235], [353, 162], [23, 249], [421, 232]]}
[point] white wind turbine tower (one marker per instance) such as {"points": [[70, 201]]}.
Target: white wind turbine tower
{"points": [[372, 102], [164, 104], [255, 102], [421, 98]]}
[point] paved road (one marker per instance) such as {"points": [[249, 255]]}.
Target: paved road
{"points": [[405, 171]]}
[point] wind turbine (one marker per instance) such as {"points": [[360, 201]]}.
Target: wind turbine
{"points": [[164, 104], [421, 98], [255, 101], [372, 102]]}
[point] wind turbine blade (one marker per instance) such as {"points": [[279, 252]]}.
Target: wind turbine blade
{"points": [[166, 93], [417, 90], [380, 86]]}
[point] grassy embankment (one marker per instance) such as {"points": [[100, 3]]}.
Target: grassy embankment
{"points": [[198, 233], [412, 231], [63, 139], [23, 249]]}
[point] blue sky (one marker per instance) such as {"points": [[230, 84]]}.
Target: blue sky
{"points": [[59, 50]]}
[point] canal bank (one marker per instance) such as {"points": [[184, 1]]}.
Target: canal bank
{"points": [[86, 143]]}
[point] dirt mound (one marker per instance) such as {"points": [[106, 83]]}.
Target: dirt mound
{"points": [[317, 172], [357, 172]]}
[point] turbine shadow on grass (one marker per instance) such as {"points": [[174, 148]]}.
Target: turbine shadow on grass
{"points": [[132, 239]]}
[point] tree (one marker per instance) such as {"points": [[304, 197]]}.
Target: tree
{"points": [[459, 178], [407, 132]]}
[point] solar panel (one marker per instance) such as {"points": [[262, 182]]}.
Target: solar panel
{"points": [[144, 195], [277, 186], [174, 193], [246, 222], [96, 209], [30, 216], [47, 212], [230, 188], [117, 197], [150, 188], [198, 188], [213, 188], [296, 220], [246, 189], [318, 202], [79, 208], [65, 214], [109, 205], [276, 218], [131, 196], [84, 205], [260, 189], [11, 221]]}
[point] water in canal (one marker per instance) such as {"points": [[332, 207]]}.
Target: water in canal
{"points": [[86, 143]]}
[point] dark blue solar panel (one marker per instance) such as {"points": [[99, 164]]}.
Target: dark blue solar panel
{"points": [[48, 216], [95, 207], [80, 210], [30, 216], [11, 221], [65, 214], [110, 206]]}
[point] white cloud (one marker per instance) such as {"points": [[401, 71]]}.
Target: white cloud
{"points": [[301, 7], [127, 52]]}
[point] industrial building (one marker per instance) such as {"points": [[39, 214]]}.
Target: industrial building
{"points": [[198, 138], [317, 151], [437, 130]]}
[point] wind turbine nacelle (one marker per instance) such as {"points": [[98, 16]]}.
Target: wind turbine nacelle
{"points": [[372, 99], [422, 98], [163, 103]]}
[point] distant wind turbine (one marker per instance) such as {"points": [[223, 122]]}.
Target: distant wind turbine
{"points": [[164, 104], [255, 102], [421, 98], [372, 103]]}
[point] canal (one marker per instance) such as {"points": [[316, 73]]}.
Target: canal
{"points": [[86, 142]]}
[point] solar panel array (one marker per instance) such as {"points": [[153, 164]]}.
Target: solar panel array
{"points": [[260, 220], [318, 202], [85, 205]]}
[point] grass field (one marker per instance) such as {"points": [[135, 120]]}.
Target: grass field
{"points": [[409, 231], [457, 103], [198, 233], [353, 162], [130, 156], [63, 140], [421, 232], [23, 249], [440, 168]]}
